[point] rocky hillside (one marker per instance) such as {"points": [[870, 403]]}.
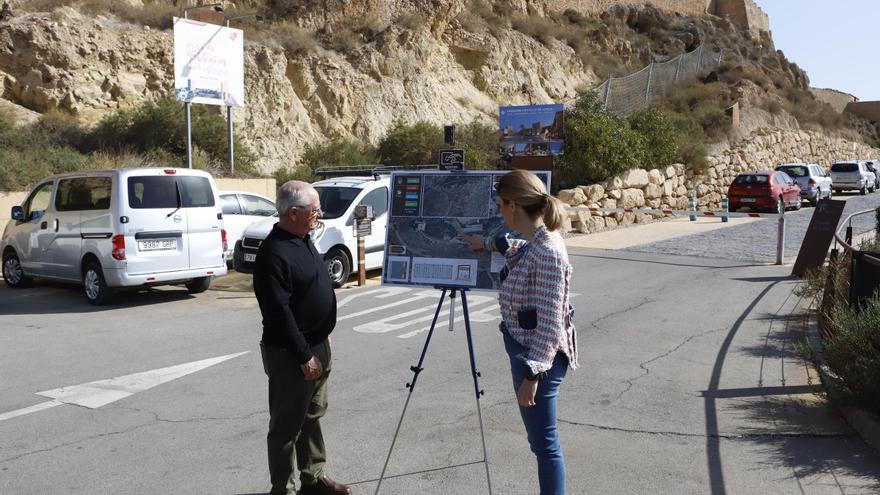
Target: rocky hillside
{"points": [[320, 70]]}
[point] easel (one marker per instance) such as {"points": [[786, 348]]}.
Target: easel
{"points": [[418, 369]]}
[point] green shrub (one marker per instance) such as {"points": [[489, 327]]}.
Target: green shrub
{"points": [[853, 351], [659, 135], [338, 152], [158, 129], [411, 144], [598, 143], [480, 142]]}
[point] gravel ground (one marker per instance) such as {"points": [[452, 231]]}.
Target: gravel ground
{"points": [[756, 241]]}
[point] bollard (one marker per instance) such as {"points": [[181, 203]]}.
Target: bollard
{"points": [[692, 206], [780, 234], [724, 209]]}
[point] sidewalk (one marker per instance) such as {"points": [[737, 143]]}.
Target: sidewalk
{"points": [[634, 235]]}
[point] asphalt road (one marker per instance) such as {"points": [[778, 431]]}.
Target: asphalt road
{"points": [[690, 382]]}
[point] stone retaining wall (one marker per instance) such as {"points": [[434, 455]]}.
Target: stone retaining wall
{"points": [[670, 187]]}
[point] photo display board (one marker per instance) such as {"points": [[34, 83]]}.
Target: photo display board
{"points": [[208, 63], [430, 215]]}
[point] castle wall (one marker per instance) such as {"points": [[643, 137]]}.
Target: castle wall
{"points": [[869, 110], [595, 7], [837, 99], [745, 13]]}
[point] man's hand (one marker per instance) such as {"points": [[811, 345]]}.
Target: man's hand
{"points": [[475, 242], [313, 369], [527, 391]]}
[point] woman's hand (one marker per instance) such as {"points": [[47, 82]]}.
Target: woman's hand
{"points": [[475, 242], [527, 391]]}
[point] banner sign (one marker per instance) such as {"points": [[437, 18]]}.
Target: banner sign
{"points": [[208, 63], [531, 130], [820, 233]]}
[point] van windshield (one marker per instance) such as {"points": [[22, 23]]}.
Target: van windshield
{"points": [[336, 200], [845, 167], [157, 191]]}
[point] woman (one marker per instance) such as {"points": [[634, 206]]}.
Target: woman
{"points": [[536, 318]]}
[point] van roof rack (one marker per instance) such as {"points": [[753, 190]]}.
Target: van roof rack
{"points": [[369, 170]]}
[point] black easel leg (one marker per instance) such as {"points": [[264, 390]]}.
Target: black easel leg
{"points": [[411, 386], [476, 375]]}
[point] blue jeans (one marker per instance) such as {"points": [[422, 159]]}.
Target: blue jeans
{"points": [[540, 419]]}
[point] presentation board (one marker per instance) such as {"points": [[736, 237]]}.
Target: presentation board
{"points": [[430, 215]]}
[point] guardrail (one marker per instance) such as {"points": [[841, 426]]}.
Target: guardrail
{"points": [[864, 273]]}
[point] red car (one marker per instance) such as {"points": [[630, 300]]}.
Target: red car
{"points": [[767, 189]]}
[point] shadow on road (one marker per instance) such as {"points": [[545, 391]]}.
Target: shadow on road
{"points": [[46, 297]]}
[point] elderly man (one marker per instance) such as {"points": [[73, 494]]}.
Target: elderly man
{"points": [[298, 305]]}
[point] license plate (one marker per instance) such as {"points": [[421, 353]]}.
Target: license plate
{"points": [[157, 245], [747, 200], [250, 258]]}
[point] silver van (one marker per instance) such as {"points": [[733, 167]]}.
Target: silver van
{"points": [[118, 228]]}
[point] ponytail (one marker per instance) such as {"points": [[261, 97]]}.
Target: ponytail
{"points": [[554, 213]]}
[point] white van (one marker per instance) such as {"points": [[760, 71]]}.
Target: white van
{"points": [[118, 228], [334, 236]]}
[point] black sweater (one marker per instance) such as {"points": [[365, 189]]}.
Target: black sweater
{"points": [[295, 293]]}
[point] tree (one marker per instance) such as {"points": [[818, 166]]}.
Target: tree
{"points": [[411, 144]]}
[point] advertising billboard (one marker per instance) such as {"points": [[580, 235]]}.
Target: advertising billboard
{"points": [[531, 130], [208, 63]]}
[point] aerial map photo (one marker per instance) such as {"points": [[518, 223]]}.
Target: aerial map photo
{"points": [[431, 213]]}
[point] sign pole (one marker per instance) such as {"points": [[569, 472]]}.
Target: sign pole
{"points": [[189, 144], [362, 262], [229, 139]]}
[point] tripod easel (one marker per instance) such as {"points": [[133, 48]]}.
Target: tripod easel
{"points": [[418, 369]]}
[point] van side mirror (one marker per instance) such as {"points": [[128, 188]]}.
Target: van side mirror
{"points": [[17, 213]]}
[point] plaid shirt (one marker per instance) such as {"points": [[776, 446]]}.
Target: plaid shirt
{"points": [[538, 280]]}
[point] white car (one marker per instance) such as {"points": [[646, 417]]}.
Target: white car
{"points": [[334, 236], [815, 184], [853, 175], [118, 228], [240, 209]]}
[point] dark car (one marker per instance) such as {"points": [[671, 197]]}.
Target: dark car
{"points": [[874, 166], [767, 189]]}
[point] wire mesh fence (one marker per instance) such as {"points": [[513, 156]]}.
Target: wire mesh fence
{"points": [[628, 94]]}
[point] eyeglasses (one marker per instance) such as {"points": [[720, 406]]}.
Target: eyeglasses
{"points": [[312, 211]]}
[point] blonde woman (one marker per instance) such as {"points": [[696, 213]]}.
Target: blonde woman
{"points": [[539, 335]]}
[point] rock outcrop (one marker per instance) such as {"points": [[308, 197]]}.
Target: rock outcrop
{"points": [[90, 66]]}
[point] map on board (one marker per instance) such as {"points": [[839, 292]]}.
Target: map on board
{"points": [[431, 212]]}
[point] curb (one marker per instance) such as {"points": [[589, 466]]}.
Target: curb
{"points": [[866, 424]]}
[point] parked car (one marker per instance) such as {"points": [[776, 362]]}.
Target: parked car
{"points": [[768, 189], [334, 236], [117, 228], [853, 175], [815, 184], [240, 209], [874, 167]]}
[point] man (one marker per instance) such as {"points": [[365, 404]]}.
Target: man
{"points": [[298, 305]]}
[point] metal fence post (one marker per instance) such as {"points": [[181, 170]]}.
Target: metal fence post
{"points": [[700, 58], [678, 66], [725, 209], [608, 90], [692, 206], [648, 86]]}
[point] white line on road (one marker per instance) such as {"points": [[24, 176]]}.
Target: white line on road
{"points": [[384, 325], [419, 295], [102, 392], [384, 291]]}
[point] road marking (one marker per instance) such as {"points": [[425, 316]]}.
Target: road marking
{"points": [[102, 392], [385, 291], [384, 325], [419, 295]]}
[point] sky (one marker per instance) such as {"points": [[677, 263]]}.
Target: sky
{"points": [[835, 42]]}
